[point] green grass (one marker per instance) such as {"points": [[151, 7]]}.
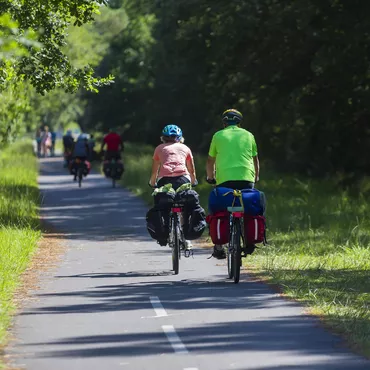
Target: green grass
{"points": [[319, 243], [19, 222]]}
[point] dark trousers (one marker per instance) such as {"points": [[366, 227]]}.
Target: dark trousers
{"points": [[111, 154], [176, 181], [237, 185]]}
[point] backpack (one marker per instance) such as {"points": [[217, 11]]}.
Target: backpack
{"points": [[194, 222], [157, 223], [254, 201], [219, 227]]}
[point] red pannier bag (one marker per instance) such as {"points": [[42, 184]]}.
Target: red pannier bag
{"points": [[219, 227], [255, 229]]}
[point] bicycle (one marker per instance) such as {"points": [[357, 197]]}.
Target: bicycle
{"points": [[236, 246], [114, 171], [78, 170], [176, 238]]}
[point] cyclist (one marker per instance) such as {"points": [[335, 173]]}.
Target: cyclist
{"points": [[233, 154], [173, 162], [80, 150], [114, 144], [68, 143]]}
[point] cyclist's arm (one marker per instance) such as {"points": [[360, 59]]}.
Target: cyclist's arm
{"points": [[155, 168], [191, 168], [256, 163], [211, 167], [102, 145]]}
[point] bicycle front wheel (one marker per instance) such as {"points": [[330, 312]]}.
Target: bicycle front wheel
{"points": [[237, 252], [176, 247], [80, 175]]}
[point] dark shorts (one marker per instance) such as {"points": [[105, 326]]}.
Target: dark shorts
{"points": [[176, 181], [110, 154], [238, 185]]}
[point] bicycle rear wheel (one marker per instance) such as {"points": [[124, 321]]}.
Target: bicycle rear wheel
{"points": [[237, 252], [79, 175], [176, 246], [230, 263]]}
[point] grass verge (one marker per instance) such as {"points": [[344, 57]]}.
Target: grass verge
{"points": [[319, 243], [19, 222]]}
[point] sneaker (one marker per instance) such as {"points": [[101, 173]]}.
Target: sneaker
{"points": [[250, 248], [219, 252], [188, 245]]}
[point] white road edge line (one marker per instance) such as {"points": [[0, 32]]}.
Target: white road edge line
{"points": [[174, 339], [158, 308]]}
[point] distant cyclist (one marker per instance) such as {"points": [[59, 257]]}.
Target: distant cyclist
{"points": [[232, 159], [80, 150], [173, 162], [68, 142], [114, 145]]}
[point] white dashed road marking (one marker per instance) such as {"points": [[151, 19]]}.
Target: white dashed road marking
{"points": [[174, 339], [158, 308]]}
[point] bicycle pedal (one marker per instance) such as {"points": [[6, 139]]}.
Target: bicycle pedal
{"points": [[188, 253]]}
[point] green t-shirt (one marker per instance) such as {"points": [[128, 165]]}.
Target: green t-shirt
{"points": [[234, 149]]}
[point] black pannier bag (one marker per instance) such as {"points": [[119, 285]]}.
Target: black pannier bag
{"points": [[108, 167], [190, 198], [164, 200], [194, 222], [157, 223]]}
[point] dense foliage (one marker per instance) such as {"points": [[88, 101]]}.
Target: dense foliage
{"points": [[38, 70], [298, 70]]}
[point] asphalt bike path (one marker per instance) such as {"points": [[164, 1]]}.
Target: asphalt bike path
{"points": [[113, 303]]}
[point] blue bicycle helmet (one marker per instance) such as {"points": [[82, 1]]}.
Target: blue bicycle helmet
{"points": [[172, 130], [232, 117]]}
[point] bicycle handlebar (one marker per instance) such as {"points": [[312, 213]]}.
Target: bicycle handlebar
{"points": [[211, 181]]}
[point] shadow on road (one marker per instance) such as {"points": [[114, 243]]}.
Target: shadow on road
{"points": [[94, 212]]}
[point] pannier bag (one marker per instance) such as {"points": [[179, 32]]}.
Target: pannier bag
{"points": [[219, 227], [107, 169], [157, 223], [194, 222], [254, 202], [87, 168], [164, 200], [73, 167], [190, 198], [255, 229]]}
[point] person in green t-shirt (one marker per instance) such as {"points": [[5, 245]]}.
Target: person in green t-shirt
{"points": [[232, 159]]}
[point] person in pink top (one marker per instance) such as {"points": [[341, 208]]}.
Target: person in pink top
{"points": [[172, 160]]}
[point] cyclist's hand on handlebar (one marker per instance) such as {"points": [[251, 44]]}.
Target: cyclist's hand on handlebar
{"points": [[211, 181], [152, 185]]}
